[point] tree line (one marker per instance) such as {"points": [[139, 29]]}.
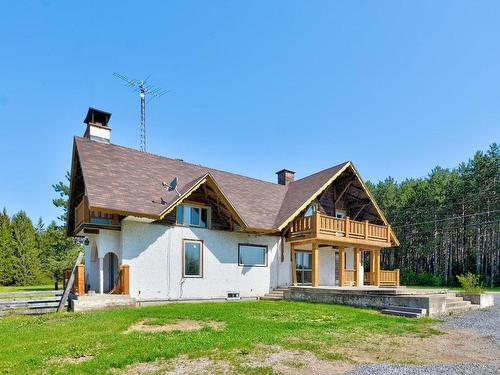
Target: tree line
{"points": [[447, 222], [33, 254]]}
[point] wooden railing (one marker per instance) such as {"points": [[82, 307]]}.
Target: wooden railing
{"points": [[319, 224], [349, 279], [369, 278], [82, 213], [78, 287], [122, 286], [389, 278]]}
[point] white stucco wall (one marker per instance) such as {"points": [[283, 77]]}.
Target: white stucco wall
{"points": [[326, 261], [154, 253]]}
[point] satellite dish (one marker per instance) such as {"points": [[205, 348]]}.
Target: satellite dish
{"points": [[172, 186]]}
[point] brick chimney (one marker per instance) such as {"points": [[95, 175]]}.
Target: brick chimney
{"points": [[285, 176], [97, 125]]}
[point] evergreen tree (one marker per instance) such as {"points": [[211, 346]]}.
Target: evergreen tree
{"points": [[27, 263], [58, 251], [7, 260], [63, 190]]}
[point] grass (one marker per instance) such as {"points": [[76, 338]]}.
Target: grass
{"points": [[37, 344]]}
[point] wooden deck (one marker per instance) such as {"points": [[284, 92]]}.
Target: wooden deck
{"points": [[326, 228]]}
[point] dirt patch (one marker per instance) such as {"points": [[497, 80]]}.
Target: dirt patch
{"points": [[292, 362], [147, 325], [70, 359], [180, 365], [452, 346]]}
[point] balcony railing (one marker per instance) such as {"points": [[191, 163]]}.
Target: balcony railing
{"points": [[319, 225], [83, 215]]}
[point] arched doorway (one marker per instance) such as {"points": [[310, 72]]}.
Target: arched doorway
{"points": [[110, 271]]}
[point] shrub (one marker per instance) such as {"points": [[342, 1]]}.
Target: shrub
{"points": [[470, 283], [421, 278]]}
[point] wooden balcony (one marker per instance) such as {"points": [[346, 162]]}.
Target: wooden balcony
{"points": [[342, 231], [85, 217]]}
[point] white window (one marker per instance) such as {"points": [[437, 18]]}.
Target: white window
{"points": [[252, 255], [192, 255], [192, 215]]}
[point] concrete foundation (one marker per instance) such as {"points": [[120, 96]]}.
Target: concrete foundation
{"points": [[434, 301], [99, 302], [483, 300]]}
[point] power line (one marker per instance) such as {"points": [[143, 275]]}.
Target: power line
{"points": [[447, 219]]}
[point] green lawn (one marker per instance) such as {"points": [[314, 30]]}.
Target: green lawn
{"points": [[43, 344]]}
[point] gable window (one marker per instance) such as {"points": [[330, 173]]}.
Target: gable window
{"points": [[310, 210], [192, 254], [340, 214], [192, 215], [252, 255]]}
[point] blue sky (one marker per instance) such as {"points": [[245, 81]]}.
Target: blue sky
{"points": [[396, 86]]}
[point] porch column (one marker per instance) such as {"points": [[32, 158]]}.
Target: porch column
{"points": [[294, 266], [315, 256], [356, 266], [341, 266], [377, 267], [101, 275]]}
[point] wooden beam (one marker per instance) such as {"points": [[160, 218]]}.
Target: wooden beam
{"points": [[294, 266], [356, 266], [315, 264], [343, 191], [359, 211], [341, 266]]}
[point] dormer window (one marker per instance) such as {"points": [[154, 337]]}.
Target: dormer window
{"points": [[195, 216]]}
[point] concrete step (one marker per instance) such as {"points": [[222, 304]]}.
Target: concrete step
{"points": [[276, 292], [407, 314], [457, 310], [462, 303], [269, 297], [417, 310]]}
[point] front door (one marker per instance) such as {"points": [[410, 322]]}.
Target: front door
{"points": [[303, 262]]}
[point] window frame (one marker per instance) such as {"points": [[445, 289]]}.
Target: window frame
{"points": [[200, 207], [184, 242], [266, 250]]}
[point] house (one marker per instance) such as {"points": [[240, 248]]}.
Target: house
{"points": [[163, 229]]}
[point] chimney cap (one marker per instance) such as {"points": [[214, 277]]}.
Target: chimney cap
{"points": [[97, 116], [284, 170]]}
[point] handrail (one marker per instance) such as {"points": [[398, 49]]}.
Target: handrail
{"points": [[317, 224]]}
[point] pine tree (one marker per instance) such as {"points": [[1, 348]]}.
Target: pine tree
{"points": [[27, 262], [7, 261]]}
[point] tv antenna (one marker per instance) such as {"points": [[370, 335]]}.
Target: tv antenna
{"points": [[144, 89]]}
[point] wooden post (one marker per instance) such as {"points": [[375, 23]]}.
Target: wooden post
{"points": [[372, 267], [366, 229], [377, 267], [347, 226], [294, 269], [125, 287], [341, 266], [388, 233], [356, 266], [397, 276], [317, 222], [315, 270], [80, 278]]}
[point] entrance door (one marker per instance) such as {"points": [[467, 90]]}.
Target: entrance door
{"points": [[303, 262]]}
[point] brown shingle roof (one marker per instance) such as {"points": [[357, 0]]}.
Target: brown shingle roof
{"points": [[125, 180]]}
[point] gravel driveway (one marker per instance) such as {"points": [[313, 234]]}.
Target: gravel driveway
{"points": [[484, 322]]}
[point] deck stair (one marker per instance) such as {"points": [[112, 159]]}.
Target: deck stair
{"points": [[275, 295], [409, 312], [454, 304]]}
